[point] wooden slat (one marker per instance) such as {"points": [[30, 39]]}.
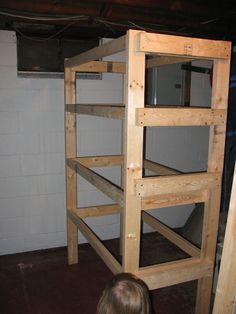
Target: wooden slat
{"points": [[110, 189], [185, 46], [101, 161], [176, 183], [225, 299], [118, 160], [172, 273], [159, 168], [172, 236], [99, 210], [70, 150], [101, 66], [93, 54], [165, 200], [162, 60], [94, 241], [133, 151], [115, 111], [180, 116]]}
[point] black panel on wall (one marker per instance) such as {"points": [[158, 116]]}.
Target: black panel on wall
{"points": [[48, 55]]}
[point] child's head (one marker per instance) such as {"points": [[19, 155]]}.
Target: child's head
{"points": [[124, 294]]}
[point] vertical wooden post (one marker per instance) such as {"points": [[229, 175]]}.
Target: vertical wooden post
{"points": [[215, 164], [71, 152], [226, 287], [133, 149], [122, 182]]}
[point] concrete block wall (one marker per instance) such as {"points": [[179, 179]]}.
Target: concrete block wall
{"points": [[32, 176]]}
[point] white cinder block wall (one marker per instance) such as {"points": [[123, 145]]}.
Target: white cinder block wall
{"points": [[32, 177]]}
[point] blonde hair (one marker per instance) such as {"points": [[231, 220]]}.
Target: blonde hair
{"points": [[125, 294]]}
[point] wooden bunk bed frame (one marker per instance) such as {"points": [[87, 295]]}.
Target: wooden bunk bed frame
{"points": [[169, 187]]}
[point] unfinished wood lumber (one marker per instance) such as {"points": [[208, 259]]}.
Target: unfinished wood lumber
{"points": [[172, 273], [176, 183], [96, 53], [158, 168], [99, 210], [172, 236], [134, 82], [71, 180], [107, 187], [103, 252], [169, 199], [180, 116], [219, 100], [167, 187], [100, 66], [162, 60], [115, 111], [101, 161], [184, 46]]}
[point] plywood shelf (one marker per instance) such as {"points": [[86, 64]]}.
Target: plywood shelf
{"points": [[169, 187]]}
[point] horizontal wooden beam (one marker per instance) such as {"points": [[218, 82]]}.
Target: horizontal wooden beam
{"points": [[176, 183], [99, 210], [101, 161], [95, 242], [172, 236], [172, 273], [185, 46], [180, 116], [104, 185], [115, 111], [165, 200], [118, 160], [96, 53], [101, 67], [163, 60], [158, 168]]}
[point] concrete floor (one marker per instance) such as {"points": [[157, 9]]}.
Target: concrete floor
{"points": [[41, 282]]}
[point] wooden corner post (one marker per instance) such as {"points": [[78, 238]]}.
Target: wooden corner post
{"points": [[220, 89], [71, 152], [133, 152]]}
